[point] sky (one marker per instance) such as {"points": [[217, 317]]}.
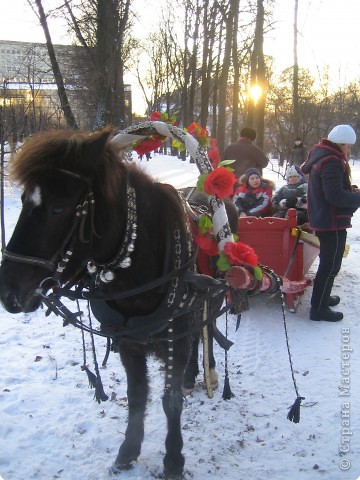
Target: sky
{"points": [[51, 428], [328, 33]]}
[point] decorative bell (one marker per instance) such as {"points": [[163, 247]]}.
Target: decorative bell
{"points": [[125, 263], [107, 276], [91, 267]]}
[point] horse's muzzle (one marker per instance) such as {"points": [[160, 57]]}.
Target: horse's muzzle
{"points": [[14, 304]]}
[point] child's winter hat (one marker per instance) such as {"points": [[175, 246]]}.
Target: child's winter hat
{"points": [[249, 172], [291, 172]]}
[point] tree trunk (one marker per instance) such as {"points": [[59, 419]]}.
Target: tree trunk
{"points": [[236, 88], [256, 109], [205, 81], [68, 114], [296, 76], [223, 82], [193, 64], [106, 35]]}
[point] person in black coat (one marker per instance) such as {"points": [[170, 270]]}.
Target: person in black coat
{"points": [[298, 153], [331, 201]]}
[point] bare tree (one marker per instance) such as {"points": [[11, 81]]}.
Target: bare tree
{"points": [[101, 27], [68, 114], [296, 73], [228, 13], [256, 109]]}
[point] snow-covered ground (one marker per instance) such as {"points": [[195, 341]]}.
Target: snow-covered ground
{"points": [[51, 428]]}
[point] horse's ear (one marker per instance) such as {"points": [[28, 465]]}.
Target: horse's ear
{"points": [[94, 146]]}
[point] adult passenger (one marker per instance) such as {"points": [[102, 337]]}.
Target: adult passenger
{"points": [[245, 153], [332, 201]]}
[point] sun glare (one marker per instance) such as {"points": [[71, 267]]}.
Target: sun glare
{"points": [[255, 93]]}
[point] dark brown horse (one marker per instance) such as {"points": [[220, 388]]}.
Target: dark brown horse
{"points": [[93, 220]]}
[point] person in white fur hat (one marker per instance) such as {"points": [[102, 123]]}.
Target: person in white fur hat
{"points": [[332, 201], [291, 195]]}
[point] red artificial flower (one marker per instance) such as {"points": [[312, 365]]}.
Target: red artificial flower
{"points": [[207, 244], [147, 145], [155, 116], [220, 182], [239, 253], [162, 117], [200, 133], [197, 130]]}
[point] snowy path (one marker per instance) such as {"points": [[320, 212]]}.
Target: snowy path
{"points": [[52, 429]]}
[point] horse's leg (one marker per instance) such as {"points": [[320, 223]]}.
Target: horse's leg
{"points": [[172, 403], [137, 392], [192, 368]]}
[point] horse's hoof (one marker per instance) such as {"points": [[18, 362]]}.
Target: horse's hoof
{"points": [[117, 468], [172, 476], [188, 387]]}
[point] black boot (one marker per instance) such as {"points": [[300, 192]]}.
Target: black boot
{"points": [[334, 300], [325, 314]]}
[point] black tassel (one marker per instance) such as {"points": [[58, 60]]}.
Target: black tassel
{"points": [[238, 320], [95, 382], [227, 393], [294, 411], [91, 376], [99, 394]]}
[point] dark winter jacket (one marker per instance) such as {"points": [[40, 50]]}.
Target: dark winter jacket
{"points": [[254, 202], [298, 154], [291, 196], [246, 155], [295, 195], [331, 201]]}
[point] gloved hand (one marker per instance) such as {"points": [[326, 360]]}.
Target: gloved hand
{"points": [[283, 203], [301, 203]]}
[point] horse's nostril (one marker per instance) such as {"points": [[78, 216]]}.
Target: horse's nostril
{"points": [[11, 304]]}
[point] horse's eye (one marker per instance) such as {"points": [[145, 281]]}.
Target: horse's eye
{"points": [[57, 210]]}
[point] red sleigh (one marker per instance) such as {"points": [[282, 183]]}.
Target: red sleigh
{"points": [[275, 242]]}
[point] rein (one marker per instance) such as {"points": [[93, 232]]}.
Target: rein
{"points": [[133, 334], [100, 295]]}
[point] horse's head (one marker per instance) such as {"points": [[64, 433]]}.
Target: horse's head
{"points": [[57, 172]]}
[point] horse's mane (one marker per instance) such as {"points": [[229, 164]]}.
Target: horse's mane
{"points": [[89, 155], [92, 156]]}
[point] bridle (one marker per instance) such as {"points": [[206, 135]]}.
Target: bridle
{"points": [[100, 272], [58, 262]]}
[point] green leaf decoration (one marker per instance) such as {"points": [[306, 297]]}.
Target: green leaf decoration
{"points": [[225, 163], [223, 263], [200, 182], [205, 223], [258, 273], [179, 145]]}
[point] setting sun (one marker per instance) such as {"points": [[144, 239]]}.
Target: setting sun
{"points": [[255, 92]]}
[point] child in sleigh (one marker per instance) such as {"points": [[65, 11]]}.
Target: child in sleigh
{"points": [[253, 196], [292, 195]]}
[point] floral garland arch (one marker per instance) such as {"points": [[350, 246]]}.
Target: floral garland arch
{"points": [[155, 132], [238, 261]]}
